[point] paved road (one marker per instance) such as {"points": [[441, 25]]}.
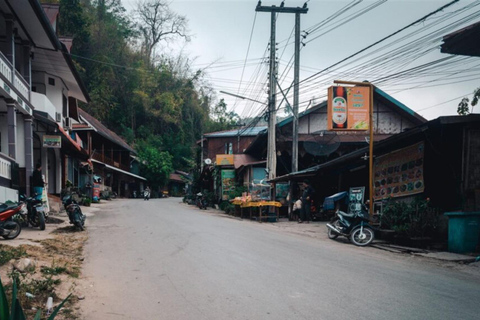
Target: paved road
{"points": [[165, 260]]}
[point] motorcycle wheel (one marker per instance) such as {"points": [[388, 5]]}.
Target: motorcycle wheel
{"points": [[14, 233], [332, 234], [362, 239], [33, 220], [41, 221]]}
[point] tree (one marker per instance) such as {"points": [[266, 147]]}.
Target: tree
{"points": [[221, 119], [463, 108], [156, 165], [158, 22]]}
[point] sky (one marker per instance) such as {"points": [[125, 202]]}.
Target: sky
{"points": [[230, 42]]}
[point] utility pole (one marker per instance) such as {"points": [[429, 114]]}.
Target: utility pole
{"points": [[272, 109]]}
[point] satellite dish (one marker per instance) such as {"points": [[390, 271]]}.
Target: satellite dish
{"points": [[208, 161], [322, 144]]}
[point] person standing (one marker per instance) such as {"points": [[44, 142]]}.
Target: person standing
{"points": [[37, 182], [308, 192]]}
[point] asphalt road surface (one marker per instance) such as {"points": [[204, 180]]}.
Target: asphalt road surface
{"points": [[161, 259]]}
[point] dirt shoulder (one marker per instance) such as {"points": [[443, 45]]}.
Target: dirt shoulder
{"points": [[52, 259]]}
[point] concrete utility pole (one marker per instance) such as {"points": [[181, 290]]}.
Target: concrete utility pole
{"points": [[272, 109]]}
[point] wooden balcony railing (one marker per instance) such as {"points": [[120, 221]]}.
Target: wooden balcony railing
{"points": [[110, 162]]}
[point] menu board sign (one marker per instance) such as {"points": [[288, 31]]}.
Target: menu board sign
{"points": [[348, 108], [355, 200], [228, 183], [399, 173]]}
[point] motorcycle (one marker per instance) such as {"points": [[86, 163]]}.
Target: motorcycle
{"points": [[75, 215], [35, 214], [146, 195], [9, 228], [354, 226], [201, 201]]}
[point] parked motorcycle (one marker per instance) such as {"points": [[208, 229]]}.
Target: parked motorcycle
{"points": [[201, 201], [75, 215], [354, 226], [9, 228], [35, 214]]}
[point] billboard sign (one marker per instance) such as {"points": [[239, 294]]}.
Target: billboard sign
{"points": [[399, 173], [228, 183], [225, 160], [348, 108], [52, 141]]}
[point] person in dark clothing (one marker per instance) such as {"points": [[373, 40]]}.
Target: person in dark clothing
{"points": [[308, 192], [37, 182]]}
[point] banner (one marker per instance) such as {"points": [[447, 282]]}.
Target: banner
{"points": [[399, 173], [228, 183], [52, 141], [225, 160], [348, 108]]}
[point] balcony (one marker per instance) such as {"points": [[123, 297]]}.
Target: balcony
{"points": [[110, 162], [15, 78], [5, 166], [42, 103], [5, 67]]}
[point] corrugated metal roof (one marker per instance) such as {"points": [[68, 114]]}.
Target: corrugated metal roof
{"points": [[252, 131], [419, 119]]}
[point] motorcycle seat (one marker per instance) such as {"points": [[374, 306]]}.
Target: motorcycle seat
{"points": [[5, 207], [348, 215]]}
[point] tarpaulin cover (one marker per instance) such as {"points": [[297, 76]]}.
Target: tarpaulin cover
{"points": [[329, 202]]}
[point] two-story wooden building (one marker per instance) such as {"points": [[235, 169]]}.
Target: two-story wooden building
{"points": [[110, 155]]}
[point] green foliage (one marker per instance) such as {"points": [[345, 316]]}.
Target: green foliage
{"points": [[16, 311], [156, 165], [8, 253], [159, 101], [414, 219], [53, 270]]}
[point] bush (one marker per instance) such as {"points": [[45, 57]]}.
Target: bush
{"points": [[414, 219]]}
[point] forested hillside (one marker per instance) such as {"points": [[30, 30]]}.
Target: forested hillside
{"points": [[156, 102]]}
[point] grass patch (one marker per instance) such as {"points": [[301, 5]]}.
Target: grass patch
{"points": [[53, 270], [8, 253]]}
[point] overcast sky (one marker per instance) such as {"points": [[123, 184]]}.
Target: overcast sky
{"points": [[222, 31]]}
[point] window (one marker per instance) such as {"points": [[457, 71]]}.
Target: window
{"points": [[51, 81], [228, 148]]}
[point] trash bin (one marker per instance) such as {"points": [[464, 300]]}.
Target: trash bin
{"points": [[463, 231]]}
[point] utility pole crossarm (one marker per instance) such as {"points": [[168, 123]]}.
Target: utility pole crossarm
{"points": [[281, 9]]}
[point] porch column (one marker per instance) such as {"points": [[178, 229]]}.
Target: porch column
{"points": [[27, 65], [28, 127], [10, 42], [12, 129]]}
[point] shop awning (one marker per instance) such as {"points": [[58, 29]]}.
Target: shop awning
{"points": [[119, 170], [329, 202]]}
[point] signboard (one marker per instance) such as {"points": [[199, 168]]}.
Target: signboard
{"points": [[224, 159], [399, 173], [228, 183], [52, 141], [348, 108], [355, 200], [282, 190]]}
